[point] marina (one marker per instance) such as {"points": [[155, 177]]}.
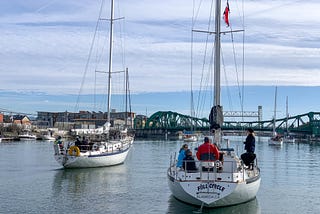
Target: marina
{"points": [[36, 183]]}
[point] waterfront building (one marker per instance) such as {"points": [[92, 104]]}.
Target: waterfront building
{"points": [[83, 119]]}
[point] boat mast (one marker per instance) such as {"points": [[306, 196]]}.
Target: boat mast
{"points": [[275, 112], [127, 88], [216, 114], [217, 54], [110, 59], [287, 115]]}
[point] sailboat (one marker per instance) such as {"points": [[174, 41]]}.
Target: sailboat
{"points": [[288, 138], [275, 140], [190, 136], [107, 145], [228, 181]]}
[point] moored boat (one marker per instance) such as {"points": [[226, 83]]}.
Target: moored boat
{"points": [[289, 139], [275, 140], [102, 146], [227, 180], [190, 136], [26, 135], [100, 151]]}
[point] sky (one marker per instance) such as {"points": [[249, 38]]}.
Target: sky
{"points": [[45, 46]]}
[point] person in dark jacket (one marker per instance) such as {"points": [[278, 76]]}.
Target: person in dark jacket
{"points": [[188, 162], [78, 142], [250, 142], [250, 145]]}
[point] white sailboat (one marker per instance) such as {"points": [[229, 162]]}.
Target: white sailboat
{"points": [[46, 134], [229, 181], [27, 135], [275, 140], [108, 146], [190, 136], [288, 138]]}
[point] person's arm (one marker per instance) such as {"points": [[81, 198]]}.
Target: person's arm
{"points": [[198, 153], [247, 140], [216, 151]]}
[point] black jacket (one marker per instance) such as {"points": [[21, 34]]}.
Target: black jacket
{"points": [[189, 163], [250, 143]]}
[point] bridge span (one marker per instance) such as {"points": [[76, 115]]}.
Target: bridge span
{"points": [[161, 122]]}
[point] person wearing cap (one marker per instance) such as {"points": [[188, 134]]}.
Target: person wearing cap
{"points": [[250, 143], [207, 151], [188, 162], [182, 154]]}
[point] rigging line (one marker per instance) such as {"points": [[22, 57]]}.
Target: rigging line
{"points": [[274, 8], [122, 37], [202, 98], [45, 6], [236, 64], [129, 93], [205, 54], [243, 60], [239, 11], [89, 57], [192, 113], [197, 13], [98, 60], [94, 91], [208, 79], [192, 105], [226, 80]]}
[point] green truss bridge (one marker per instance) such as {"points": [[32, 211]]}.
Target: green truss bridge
{"points": [[167, 121]]}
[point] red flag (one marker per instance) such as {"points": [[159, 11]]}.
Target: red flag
{"points": [[226, 14]]}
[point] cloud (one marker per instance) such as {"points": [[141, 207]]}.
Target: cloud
{"points": [[45, 44]]}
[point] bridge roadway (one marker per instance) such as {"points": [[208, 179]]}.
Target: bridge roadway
{"points": [[307, 124]]}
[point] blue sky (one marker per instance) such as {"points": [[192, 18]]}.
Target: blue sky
{"points": [[45, 44]]}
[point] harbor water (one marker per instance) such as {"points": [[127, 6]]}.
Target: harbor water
{"points": [[32, 182]]}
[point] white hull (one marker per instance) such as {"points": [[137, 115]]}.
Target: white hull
{"points": [[211, 194], [234, 184], [113, 154], [275, 142], [289, 140], [47, 137], [190, 139], [27, 137], [88, 161]]}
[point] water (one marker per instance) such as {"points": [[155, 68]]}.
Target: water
{"points": [[32, 182]]}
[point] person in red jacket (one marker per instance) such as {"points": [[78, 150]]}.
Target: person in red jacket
{"points": [[207, 151]]}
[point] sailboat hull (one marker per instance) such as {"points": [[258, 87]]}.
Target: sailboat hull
{"points": [[272, 142], [88, 161], [111, 155], [214, 189]]}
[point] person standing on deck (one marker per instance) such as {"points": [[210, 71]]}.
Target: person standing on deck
{"points": [[250, 144]]}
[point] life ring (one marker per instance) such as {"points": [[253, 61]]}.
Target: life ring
{"points": [[74, 151]]}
